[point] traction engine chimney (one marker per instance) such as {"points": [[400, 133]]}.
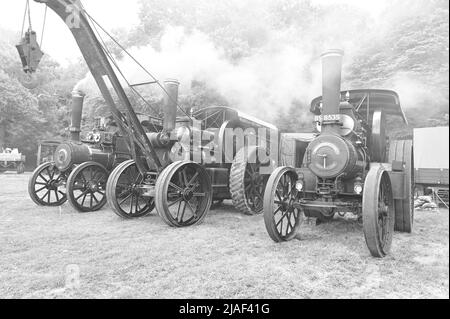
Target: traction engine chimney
{"points": [[331, 81], [77, 111], [170, 104]]}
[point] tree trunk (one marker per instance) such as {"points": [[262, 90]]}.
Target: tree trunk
{"points": [[2, 134]]}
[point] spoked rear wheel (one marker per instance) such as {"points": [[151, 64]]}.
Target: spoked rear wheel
{"points": [[123, 193], [281, 218], [47, 186], [402, 151], [378, 212], [247, 185], [86, 187], [183, 194]]}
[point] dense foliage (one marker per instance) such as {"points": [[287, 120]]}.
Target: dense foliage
{"points": [[406, 48]]}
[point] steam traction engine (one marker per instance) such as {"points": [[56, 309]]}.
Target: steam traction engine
{"points": [[80, 167], [346, 167], [197, 168], [159, 175]]}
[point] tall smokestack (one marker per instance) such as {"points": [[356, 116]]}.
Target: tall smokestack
{"points": [[170, 104], [77, 111], [331, 81]]}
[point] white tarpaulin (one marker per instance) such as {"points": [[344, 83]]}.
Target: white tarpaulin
{"points": [[431, 147]]}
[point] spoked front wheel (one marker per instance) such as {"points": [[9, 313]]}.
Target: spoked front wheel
{"points": [[378, 212], [281, 217], [124, 194], [86, 187], [47, 186], [183, 194]]}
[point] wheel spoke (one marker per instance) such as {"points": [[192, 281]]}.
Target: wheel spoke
{"points": [[199, 194], [175, 202], [279, 196], [45, 195], [95, 198], [84, 199], [82, 194], [131, 204], [124, 193], [190, 207], [126, 198], [277, 210], [42, 188], [180, 218], [192, 180], [185, 179], [175, 186], [282, 217], [51, 173]]}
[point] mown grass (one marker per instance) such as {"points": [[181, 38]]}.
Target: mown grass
{"points": [[228, 256]]}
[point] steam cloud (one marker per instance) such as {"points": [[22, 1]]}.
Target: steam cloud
{"points": [[285, 70], [261, 85]]}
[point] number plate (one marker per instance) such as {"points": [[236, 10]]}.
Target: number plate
{"points": [[328, 118]]}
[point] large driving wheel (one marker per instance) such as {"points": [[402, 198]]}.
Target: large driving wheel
{"points": [[247, 185], [123, 193], [86, 187], [378, 211], [281, 218], [402, 151], [183, 194], [47, 186]]}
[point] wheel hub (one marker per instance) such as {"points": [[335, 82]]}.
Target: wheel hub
{"points": [[93, 186], [52, 185], [188, 194]]}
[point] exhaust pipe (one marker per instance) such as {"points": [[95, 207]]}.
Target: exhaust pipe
{"points": [[77, 112], [170, 104], [331, 81]]}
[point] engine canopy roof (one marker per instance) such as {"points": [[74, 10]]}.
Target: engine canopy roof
{"points": [[375, 99]]}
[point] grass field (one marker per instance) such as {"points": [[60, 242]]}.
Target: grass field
{"points": [[59, 253]]}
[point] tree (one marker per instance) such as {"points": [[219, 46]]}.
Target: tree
{"points": [[20, 119]]}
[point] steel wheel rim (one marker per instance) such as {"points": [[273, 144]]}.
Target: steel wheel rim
{"points": [[378, 212], [187, 195], [384, 214], [254, 191], [286, 217], [128, 194], [89, 187], [46, 186]]}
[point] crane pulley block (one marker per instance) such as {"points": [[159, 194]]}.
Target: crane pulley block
{"points": [[30, 52]]}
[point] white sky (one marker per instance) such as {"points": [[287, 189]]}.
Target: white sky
{"points": [[58, 41]]}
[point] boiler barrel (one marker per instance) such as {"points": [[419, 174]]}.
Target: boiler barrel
{"points": [[73, 153]]}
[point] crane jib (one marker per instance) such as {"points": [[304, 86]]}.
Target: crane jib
{"points": [[102, 71]]}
